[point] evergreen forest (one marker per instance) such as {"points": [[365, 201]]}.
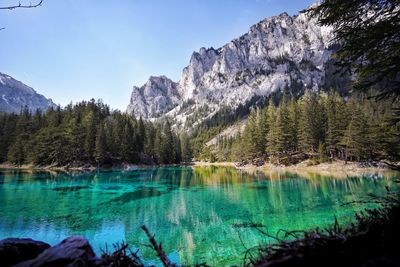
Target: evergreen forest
{"points": [[88, 133], [320, 126]]}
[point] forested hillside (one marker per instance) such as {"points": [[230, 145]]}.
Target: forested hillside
{"points": [[319, 126], [87, 133]]}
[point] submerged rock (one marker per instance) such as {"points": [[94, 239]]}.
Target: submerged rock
{"points": [[16, 250], [70, 188], [73, 251], [141, 193], [247, 225]]}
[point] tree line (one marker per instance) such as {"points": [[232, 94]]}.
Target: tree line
{"points": [[320, 125], [88, 133]]}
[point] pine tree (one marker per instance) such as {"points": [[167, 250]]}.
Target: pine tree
{"points": [[281, 130], [75, 136], [250, 135], [54, 117], [369, 45], [186, 153], [38, 121], [89, 124], [49, 147], [101, 150], [271, 118], [322, 152], [177, 149], [16, 154], [237, 153], [23, 132], [354, 139], [128, 144], [158, 146], [293, 118], [312, 122], [336, 122], [141, 135], [149, 140], [167, 145], [7, 132]]}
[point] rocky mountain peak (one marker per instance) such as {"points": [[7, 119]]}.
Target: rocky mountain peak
{"points": [[278, 52], [156, 97], [14, 95]]}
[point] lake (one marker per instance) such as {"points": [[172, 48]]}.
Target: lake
{"points": [[199, 214]]}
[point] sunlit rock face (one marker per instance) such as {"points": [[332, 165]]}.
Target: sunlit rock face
{"points": [[14, 95], [155, 98], [277, 53]]}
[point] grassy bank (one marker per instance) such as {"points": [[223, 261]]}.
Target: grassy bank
{"points": [[335, 168]]}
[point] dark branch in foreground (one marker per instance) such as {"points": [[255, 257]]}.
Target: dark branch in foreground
{"points": [[158, 248], [122, 256], [21, 6], [392, 166]]}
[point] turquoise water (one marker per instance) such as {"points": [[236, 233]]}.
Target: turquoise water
{"points": [[194, 212]]}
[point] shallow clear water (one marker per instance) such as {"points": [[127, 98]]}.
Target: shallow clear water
{"points": [[193, 211]]}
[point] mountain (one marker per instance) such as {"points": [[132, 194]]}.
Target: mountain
{"points": [[158, 96], [281, 52], [15, 95]]}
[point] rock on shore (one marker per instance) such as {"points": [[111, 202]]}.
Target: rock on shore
{"points": [[71, 252]]}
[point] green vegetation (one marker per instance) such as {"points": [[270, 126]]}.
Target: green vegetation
{"points": [[87, 133], [369, 44], [320, 126], [367, 36]]}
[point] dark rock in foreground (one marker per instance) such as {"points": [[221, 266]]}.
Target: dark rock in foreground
{"points": [[15, 250], [73, 251]]}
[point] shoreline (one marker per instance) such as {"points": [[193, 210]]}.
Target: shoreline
{"points": [[87, 168], [334, 168], [45, 168]]}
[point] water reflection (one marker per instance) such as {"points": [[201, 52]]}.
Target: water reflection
{"points": [[194, 211]]}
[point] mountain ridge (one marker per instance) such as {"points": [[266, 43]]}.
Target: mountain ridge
{"points": [[15, 95], [277, 53]]}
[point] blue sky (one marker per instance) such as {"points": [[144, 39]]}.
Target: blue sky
{"points": [[73, 50]]}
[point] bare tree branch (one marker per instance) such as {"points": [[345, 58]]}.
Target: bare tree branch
{"points": [[21, 6], [158, 248]]}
